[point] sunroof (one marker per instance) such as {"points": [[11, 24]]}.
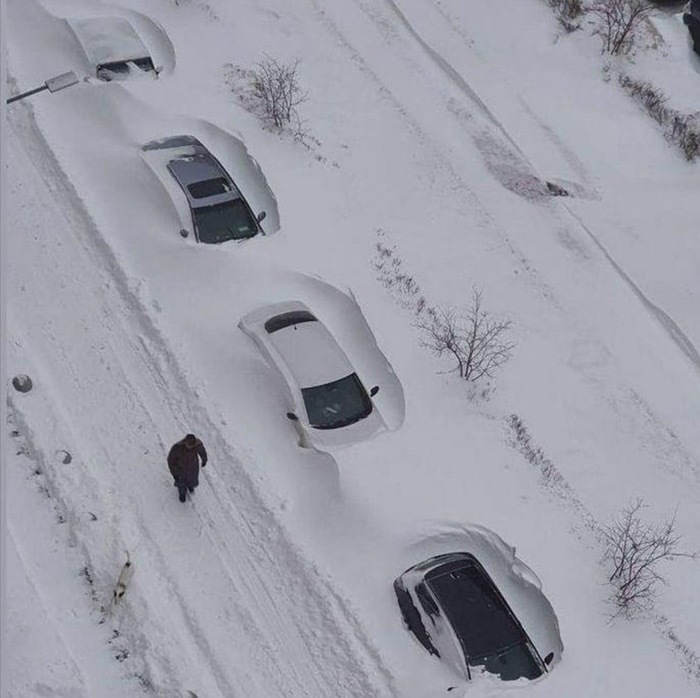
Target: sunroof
{"points": [[209, 187]]}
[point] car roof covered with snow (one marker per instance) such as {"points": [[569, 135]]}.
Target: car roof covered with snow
{"points": [[311, 353], [109, 40]]}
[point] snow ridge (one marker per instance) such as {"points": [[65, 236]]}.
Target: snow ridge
{"points": [[318, 639]]}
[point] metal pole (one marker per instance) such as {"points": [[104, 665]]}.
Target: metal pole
{"points": [[26, 94], [59, 82]]}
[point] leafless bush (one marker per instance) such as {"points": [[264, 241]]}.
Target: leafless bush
{"points": [[533, 453], [475, 340], [276, 87], [618, 23], [390, 272], [651, 97], [568, 12], [635, 548], [683, 130]]}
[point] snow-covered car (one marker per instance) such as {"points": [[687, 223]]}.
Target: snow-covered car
{"points": [[328, 401], [115, 49], [691, 17], [481, 609], [217, 210]]}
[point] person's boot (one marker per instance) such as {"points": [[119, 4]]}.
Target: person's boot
{"points": [[183, 493]]}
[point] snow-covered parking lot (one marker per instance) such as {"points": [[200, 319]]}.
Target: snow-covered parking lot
{"points": [[432, 128]]}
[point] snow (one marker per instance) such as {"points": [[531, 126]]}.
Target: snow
{"points": [[438, 123], [113, 33]]}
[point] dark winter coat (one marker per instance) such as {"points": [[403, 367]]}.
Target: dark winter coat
{"points": [[184, 462]]}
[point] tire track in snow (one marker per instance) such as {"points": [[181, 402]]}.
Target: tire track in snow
{"points": [[453, 75], [453, 23], [669, 325], [343, 661], [459, 184]]}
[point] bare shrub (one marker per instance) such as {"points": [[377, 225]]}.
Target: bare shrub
{"points": [[276, 88], [475, 340], [533, 454], [635, 549], [618, 23], [390, 272], [651, 97], [683, 130], [568, 12]]}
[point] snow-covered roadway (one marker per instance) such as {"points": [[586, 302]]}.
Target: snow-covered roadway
{"points": [[411, 159], [223, 603]]}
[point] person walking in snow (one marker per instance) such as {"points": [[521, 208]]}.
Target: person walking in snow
{"points": [[183, 461]]}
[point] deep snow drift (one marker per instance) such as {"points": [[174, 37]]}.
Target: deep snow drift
{"points": [[438, 124]]}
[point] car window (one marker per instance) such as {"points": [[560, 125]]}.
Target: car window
{"points": [[489, 633], [337, 404], [121, 69], [426, 600], [294, 317], [227, 221], [209, 187]]}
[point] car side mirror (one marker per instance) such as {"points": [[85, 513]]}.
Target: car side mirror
{"points": [[261, 216], [374, 391], [548, 658], [292, 417], [184, 232]]}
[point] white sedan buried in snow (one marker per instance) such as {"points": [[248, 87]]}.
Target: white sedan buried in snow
{"points": [[329, 403], [122, 47]]}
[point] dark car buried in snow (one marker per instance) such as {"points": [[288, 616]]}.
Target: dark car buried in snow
{"points": [[218, 211], [692, 20], [497, 621]]}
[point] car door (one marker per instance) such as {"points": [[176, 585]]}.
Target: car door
{"points": [[441, 632]]}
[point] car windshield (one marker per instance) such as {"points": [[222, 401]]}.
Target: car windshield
{"points": [[337, 404], [227, 221], [489, 633], [209, 187]]}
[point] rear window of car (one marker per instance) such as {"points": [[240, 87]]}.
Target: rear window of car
{"points": [[294, 317], [120, 69], [209, 187]]}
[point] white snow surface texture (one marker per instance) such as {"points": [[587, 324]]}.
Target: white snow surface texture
{"points": [[435, 125]]}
